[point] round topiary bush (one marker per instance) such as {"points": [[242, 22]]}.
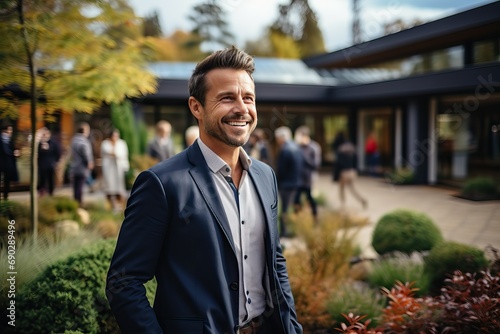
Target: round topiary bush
{"points": [[449, 256], [70, 295], [480, 188], [405, 231]]}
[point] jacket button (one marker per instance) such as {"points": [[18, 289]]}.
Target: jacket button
{"points": [[234, 286]]}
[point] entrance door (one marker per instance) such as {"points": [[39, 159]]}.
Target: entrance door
{"points": [[378, 122]]}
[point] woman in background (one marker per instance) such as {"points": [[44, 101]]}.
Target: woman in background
{"points": [[114, 155]]}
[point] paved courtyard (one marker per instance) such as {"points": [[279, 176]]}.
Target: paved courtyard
{"points": [[460, 220]]}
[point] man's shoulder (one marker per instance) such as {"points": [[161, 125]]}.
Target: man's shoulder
{"points": [[262, 168], [172, 165]]}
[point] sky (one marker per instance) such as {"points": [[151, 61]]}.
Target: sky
{"points": [[248, 19]]}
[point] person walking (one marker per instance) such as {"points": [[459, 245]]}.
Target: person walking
{"points": [[49, 153], [311, 153], [372, 154], [82, 160], [8, 163], [161, 147], [203, 223], [347, 170], [289, 163], [115, 163]]}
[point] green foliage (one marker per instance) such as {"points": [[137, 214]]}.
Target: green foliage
{"points": [[17, 211], [138, 164], [399, 267], [402, 176], [357, 299], [70, 295], [405, 231], [210, 26], [107, 64], [56, 208], [480, 188], [449, 256], [124, 120], [34, 256]]}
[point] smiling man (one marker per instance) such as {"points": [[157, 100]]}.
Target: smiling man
{"points": [[204, 224]]}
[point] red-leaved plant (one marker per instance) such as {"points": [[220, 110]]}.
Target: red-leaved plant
{"points": [[466, 305]]}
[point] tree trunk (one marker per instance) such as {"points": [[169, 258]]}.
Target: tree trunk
{"points": [[34, 146]]}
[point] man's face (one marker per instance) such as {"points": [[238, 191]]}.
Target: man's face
{"points": [[229, 115], [8, 132]]}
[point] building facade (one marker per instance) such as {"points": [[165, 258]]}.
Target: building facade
{"points": [[430, 94]]}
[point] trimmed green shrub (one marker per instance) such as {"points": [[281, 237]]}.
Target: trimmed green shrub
{"points": [[357, 299], [52, 209], [400, 267], [449, 256], [70, 295], [480, 188], [19, 212], [405, 231]]}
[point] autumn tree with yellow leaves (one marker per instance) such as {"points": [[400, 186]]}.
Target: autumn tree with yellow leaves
{"points": [[67, 56]]}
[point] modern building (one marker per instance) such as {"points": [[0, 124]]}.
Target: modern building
{"points": [[431, 95]]}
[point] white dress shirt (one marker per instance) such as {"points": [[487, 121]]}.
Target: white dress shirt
{"points": [[247, 224]]}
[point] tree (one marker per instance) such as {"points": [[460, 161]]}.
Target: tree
{"points": [[151, 25], [298, 21], [68, 55], [210, 29]]}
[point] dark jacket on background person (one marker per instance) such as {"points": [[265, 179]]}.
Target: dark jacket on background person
{"points": [[48, 158], [309, 165], [289, 164], [8, 163], [190, 216]]}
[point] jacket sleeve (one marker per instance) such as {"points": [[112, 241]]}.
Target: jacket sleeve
{"points": [[136, 256]]}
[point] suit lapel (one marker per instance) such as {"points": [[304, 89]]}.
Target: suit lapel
{"points": [[265, 199], [201, 176]]}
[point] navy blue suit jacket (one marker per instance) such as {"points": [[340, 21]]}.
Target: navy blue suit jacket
{"points": [[175, 229]]}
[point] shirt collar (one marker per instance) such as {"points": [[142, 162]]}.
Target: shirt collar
{"points": [[216, 164]]}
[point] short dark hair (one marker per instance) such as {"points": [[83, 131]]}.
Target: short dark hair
{"points": [[82, 127], [231, 58], [6, 126]]}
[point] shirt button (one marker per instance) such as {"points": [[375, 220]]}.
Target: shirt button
{"points": [[248, 292], [243, 222], [233, 286], [245, 257], [227, 170], [249, 301]]}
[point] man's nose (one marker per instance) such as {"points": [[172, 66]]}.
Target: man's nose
{"points": [[241, 107]]}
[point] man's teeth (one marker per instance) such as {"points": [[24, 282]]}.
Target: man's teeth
{"points": [[237, 123]]}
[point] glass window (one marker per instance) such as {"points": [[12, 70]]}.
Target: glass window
{"points": [[486, 51]]}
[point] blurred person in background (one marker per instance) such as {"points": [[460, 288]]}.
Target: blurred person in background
{"points": [[311, 152], [8, 163], [289, 164], [49, 154], [81, 160], [347, 171], [162, 146], [115, 164]]}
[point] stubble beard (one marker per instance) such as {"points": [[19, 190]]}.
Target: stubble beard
{"points": [[218, 133]]}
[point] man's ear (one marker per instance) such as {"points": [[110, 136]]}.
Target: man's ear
{"points": [[195, 107]]}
